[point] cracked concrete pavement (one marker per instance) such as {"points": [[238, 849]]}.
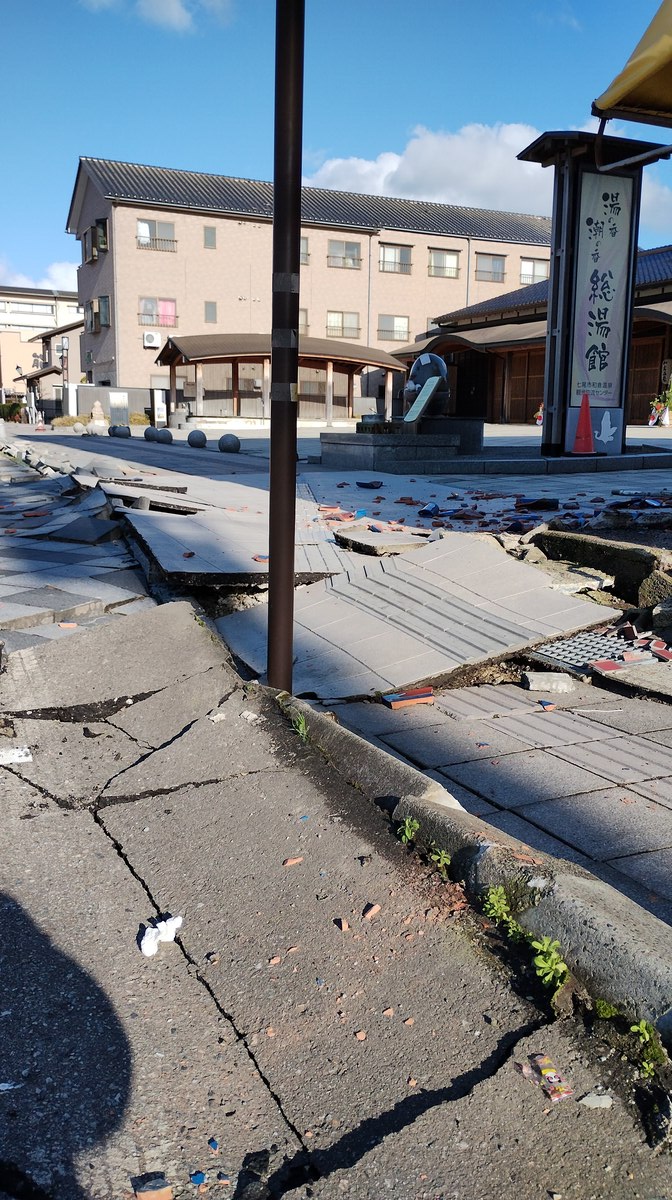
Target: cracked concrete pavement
{"points": [[328, 1054]]}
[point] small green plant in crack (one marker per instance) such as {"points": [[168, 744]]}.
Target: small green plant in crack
{"points": [[441, 860], [645, 1032], [647, 1068], [407, 830], [300, 726], [496, 905], [605, 1010], [549, 963]]}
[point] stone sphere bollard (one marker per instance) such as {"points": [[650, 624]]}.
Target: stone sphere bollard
{"points": [[197, 439], [164, 436], [123, 431], [229, 443], [150, 433], [111, 429], [78, 427]]}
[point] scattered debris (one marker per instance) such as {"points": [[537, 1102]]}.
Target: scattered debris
{"points": [[159, 931], [197, 1177], [15, 754], [542, 1071], [596, 1100], [153, 1187], [409, 697], [370, 911], [548, 681], [342, 924], [360, 1034], [293, 862]]}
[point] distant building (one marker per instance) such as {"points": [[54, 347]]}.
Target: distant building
{"points": [[496, 350], [27, 314], [180, 253]]}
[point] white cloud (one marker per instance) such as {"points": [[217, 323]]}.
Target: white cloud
{"points": [[172, 14], [475, 166], [656, 207], [61, 276]]}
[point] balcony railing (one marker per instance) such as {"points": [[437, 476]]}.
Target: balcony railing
{"points": [[490, 276], [443, 272], [158, 320], [156, 243], [396, 267], [305, 258], [346, 331], [393, 335], [344, 260], [303, 329]]}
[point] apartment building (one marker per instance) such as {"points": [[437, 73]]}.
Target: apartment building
{"points": [[26, 315], [167, 251]]}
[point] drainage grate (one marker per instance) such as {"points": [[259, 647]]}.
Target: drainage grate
{"points": [[578, 651]]}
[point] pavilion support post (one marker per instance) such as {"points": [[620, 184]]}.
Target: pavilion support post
{"points": [[389, 377], [172, 397], [266, 388], [329, 397], [351, 394], [198, 389], [235, 387], [289, 51]]}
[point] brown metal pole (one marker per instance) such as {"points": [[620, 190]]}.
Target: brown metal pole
{"points": [[289, 38]]}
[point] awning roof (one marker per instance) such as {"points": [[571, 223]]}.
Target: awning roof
{"points": [[32, 375], [643, 89], [226, 347], [56, 331], [654, 312], [490, 337]]}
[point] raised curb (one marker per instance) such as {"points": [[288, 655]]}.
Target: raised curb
{"points": [[620, 952]]}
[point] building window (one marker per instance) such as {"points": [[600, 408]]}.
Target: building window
{"points": [[490, 267], [156, 235], [343, 324], [154, 311], [20, 306], [305, 256], [393, 329], [303, 321], [104, 310], [534, 269], [94, 240], [210, 312], [396, 259], [344, 254], [91, 316], [210, 237], [444, 263]]}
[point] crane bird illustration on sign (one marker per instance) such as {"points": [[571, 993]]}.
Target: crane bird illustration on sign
{"points": [[607, 432]]}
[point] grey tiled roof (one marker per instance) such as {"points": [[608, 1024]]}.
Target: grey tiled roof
{"points": [[166, 187], [653, 267]]}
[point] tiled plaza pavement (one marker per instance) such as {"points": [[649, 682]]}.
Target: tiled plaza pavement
{"points": [[62, 568], [590, 781]]}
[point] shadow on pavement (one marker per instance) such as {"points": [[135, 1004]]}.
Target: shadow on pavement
{"points": [[65, 1064]]}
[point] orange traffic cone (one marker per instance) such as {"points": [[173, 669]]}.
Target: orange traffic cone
{"points": [[583, 441]]}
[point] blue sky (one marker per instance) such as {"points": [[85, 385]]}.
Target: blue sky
{"points": [[396, 101]]}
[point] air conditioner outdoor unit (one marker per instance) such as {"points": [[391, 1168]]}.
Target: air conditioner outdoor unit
{"points": [[151, 341]]}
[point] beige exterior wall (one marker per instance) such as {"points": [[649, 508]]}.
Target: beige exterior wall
{"points": [[25, 313], [235, 276]]}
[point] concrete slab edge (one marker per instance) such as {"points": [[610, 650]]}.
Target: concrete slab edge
{"points": [[616, 949]]}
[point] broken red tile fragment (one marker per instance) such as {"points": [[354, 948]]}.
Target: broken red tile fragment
{"points": [[293, 862]]}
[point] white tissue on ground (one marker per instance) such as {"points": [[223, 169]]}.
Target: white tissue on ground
{"points": [[159, 931]]}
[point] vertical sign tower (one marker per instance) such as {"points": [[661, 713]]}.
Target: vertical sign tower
{"points": [[591, 288]]}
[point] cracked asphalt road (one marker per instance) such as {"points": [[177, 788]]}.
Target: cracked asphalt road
{"points": [[327, 1053]]}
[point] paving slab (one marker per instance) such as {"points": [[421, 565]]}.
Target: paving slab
{"points": [[606, 824], [123, 1064], [652, 869], [90, 530], [72, 762], [621, 759], [111, 663], [518, 826], [641, 716], [64, 605], [549, 728], [451, 742], [153, 722], [518, 779]]}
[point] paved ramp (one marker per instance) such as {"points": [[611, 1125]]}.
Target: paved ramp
{"points": [[393, 622]]}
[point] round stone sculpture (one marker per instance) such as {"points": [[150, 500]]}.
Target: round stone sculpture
{"points": [[229, 443], [150, 433], [164, 436], [197, 439], [78, 427], [123, 431], [111, 429]]}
